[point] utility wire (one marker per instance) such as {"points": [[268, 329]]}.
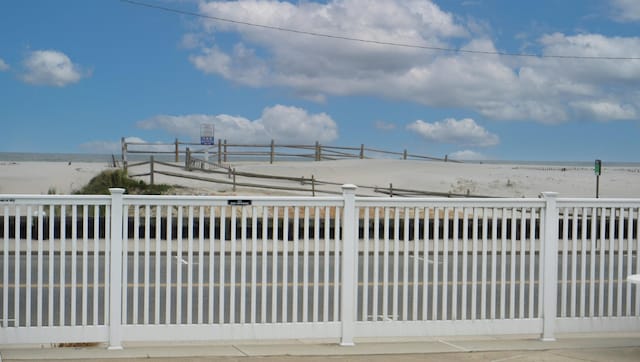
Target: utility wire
{"points": [[369, 41]]}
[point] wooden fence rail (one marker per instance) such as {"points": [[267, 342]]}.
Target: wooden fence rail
{"points": [[224, 151], [209, 168]]}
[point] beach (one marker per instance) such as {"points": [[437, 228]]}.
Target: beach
{"points": [[375, 177]]}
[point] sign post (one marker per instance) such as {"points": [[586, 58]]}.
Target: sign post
{"points": [[598, 170], [206, 138]]}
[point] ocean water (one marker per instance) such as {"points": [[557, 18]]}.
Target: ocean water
{"points": [[108, 158], [54, 157], [72, 157]]}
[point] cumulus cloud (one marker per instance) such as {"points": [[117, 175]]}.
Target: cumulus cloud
{"points": [[626, 10], [606, 110], [3, 66], [497, 87], [280, 123], [51, 67], [463, 132]]}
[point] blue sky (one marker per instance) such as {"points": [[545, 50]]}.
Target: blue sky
{"points": [[76, 76]]}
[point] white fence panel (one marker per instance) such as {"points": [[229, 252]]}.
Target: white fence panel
{"points": [[230, 267], [429, 266], [53, 268], [164, 268], [600, 247]]}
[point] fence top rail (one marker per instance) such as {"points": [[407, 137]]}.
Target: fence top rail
{"points": [[132, 200], [20, 199], [448, 202], [150, 144], [604, 202]]}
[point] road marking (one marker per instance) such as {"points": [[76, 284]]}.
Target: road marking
{"points": [[380, 317], [453, 345], [428, 260]]}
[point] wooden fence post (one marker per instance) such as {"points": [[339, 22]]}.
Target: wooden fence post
{"points": [[219, 152], [404, 155], [234, 180], [362, 151], [313, 186], [318, 151], [225, 151], [177, 151], [151, 170], [187, 160], [273, 151], [124, 154]]}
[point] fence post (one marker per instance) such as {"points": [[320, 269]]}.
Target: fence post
{"points": [[177, 151], [318, 151], [151, 170], [349, 263], [404, 155], [549, 267], [362, 151], [124, 153], [115, 271], [313, 186], [225, 151], [273, 151], [219, 152], [234, 180], [187, 160]]}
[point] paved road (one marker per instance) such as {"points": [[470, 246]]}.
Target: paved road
{"points": [[308, 297]]}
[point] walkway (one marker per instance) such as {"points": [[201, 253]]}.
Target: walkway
{"points": [[574, 347]]}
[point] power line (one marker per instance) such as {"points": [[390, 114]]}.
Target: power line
{"points": [[369, 41]]}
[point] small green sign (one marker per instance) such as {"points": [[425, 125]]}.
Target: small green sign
{"points": [[598, 167]]}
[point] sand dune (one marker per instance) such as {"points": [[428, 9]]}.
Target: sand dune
{"points": [[501, 180]]}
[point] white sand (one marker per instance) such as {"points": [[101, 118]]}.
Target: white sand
{"points": [[476, 179], [33, 177]]}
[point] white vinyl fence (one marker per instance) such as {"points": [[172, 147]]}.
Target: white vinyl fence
{"points": [[125, 268]]}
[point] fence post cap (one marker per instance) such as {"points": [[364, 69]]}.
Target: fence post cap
{"points": [[116, 190], [349, 187], [549, 194]]}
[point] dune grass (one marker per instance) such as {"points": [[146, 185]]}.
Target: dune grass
{"points": [[100, 185]]}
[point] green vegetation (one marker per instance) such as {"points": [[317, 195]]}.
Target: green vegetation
{"points": [[100, 185]]}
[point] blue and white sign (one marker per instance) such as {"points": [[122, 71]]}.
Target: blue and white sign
{"points": [[207, 134]]}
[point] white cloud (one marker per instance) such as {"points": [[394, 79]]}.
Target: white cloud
{"points": [[3, 66], [462, 132], [497, 87], [291, 123], [626, 10], [467, 155], [606, 110], [315, 64], [280, 123], [51, 67], [242, 65]]}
